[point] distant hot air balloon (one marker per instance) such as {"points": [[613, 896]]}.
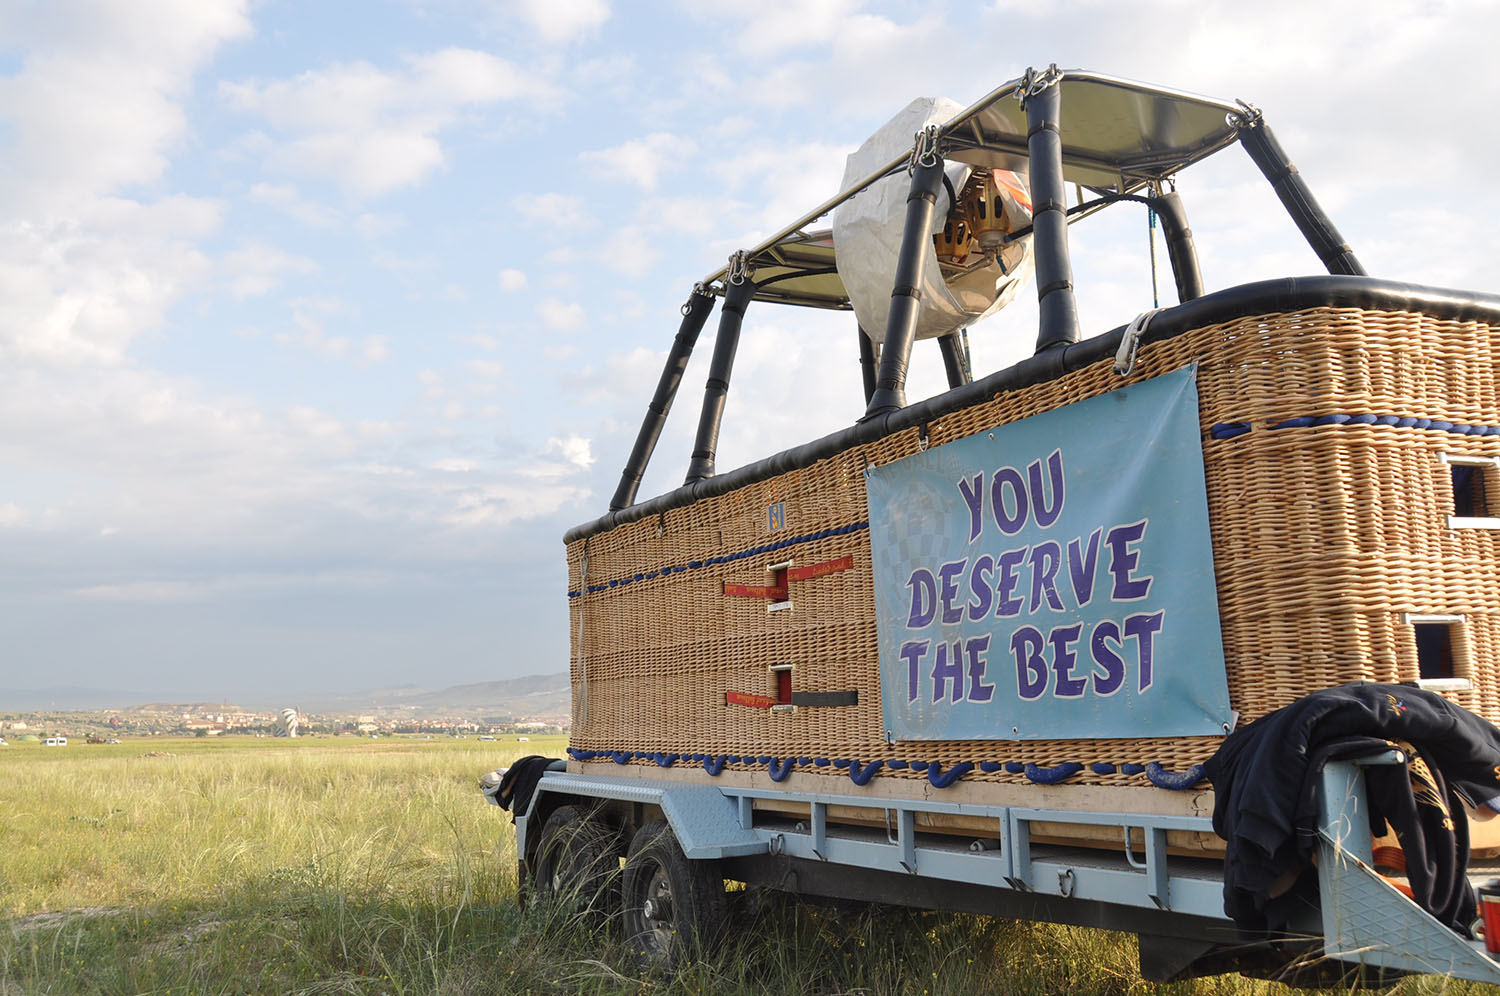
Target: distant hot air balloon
{"points": [[286, 723]]}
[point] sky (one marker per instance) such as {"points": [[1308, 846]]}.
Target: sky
{"points": [[320, 323]]}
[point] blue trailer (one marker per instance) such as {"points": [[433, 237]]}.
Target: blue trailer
{"points": [[981, 652]]}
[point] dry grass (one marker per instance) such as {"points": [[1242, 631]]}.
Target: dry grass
{"points": [[343, 866]]}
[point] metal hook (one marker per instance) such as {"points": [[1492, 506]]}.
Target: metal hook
{"points": [[924, 149], [700, 289], [1130, 342], [1248, 117], [739, 268], [1033, 82]]}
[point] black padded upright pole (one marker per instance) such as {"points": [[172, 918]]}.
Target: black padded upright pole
{"points": [[1180, 248], [726, 341], [1295, 196], [953, 359], [1058, 320], [867, 364], [906, 293], [694, 314]]}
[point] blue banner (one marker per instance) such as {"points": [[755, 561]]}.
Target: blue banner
{"points": [[1052, 578]]}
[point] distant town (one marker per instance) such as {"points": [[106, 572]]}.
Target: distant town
{"points": [[522, 706], [210, 721]]}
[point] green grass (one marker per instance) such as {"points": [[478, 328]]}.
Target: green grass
{"points": [[336, 865]]}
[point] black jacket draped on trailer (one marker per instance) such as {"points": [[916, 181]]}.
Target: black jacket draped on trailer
{"points": [[1265, 778]]}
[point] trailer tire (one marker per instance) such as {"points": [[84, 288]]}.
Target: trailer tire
{"points": [[578, 864], [675, 909]]}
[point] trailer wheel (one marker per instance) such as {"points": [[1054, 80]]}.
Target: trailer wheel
{"points": [[674, 908], [578, 863]]}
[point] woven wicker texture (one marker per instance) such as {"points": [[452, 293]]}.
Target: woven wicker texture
{"points": [[1323, 537]]}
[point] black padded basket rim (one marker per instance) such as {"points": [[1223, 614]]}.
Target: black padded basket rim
{"points": [[1266, 297]]}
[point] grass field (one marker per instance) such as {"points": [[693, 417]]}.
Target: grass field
{"points": [[336, 865]]}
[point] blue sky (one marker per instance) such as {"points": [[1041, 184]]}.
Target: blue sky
{"points": [[319, 323]]}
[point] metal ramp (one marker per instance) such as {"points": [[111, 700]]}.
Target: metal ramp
{"points": [[1366, 921]]}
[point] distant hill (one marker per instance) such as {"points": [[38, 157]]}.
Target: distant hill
{"points": [[196, 708], [543, 695], [533, 695], [68, 699]]}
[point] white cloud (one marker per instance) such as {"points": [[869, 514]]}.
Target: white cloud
{"points": [[559, 21], [376, 348], [257, 269], [564, 256], [692, 214], [93, 109], [610, 71], [768, 27], [374, 131], [486, 368], [852, 73], [486, 342], [627, 251], [782, 179], [397, 263], [498, 505], [574, 449], [308, 318], [374, 226], [557, 211], [512, 280], [564, 316], [641, 161], [95, 105], [287, 199], [82, 290], [236, 584]]}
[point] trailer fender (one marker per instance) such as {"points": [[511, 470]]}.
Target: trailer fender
{"points": [[705, 821]]}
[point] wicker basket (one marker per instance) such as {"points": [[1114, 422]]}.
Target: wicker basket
{"points": [[1326, 536]]}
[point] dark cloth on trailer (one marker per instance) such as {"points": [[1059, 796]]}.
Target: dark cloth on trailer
{"points": [[1435, 857], [1265, 780], [519, 783]]}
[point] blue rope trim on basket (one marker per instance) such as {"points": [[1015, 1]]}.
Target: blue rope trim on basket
{"points": [[1177, 781], [861, 773], [1054, 775], [1229, 430], [697, 565], [941, 779]]}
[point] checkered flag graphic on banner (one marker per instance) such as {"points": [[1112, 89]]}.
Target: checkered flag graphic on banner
{"points": [[923, 540]]}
